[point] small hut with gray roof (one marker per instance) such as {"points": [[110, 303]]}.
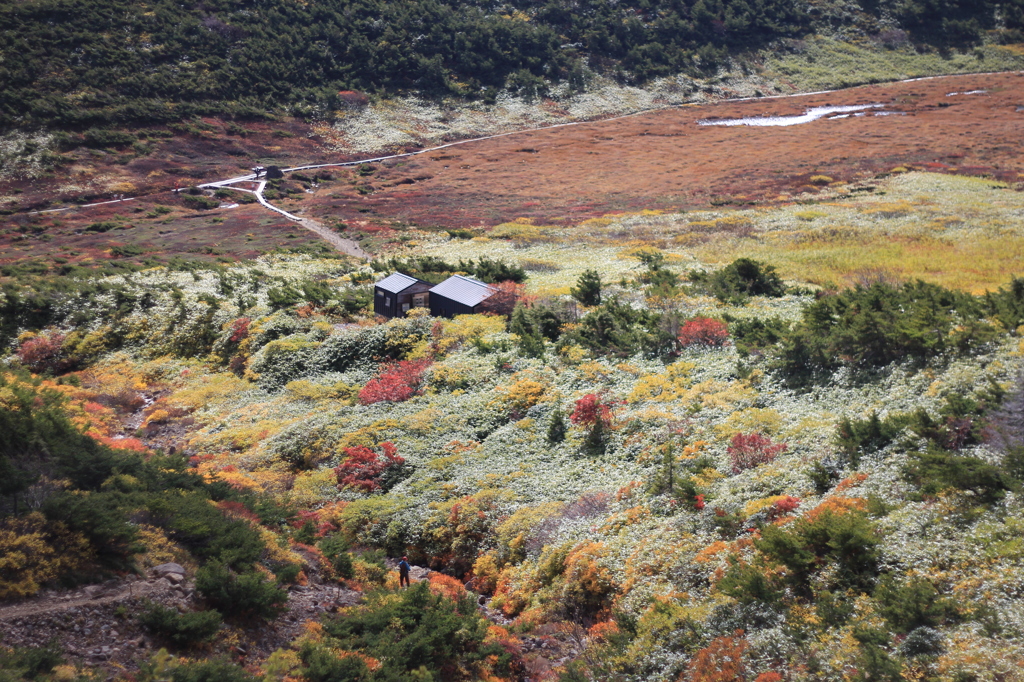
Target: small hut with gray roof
{"points": [[458, 295], [394, 295]]}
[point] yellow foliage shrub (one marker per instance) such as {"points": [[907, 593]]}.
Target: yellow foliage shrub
{"points": [[521, 395], [311, 488], [159, 549], [303, 389], [210, 389], [34, 552], [424, 421], [515, 589], [157, 417], [463, 328], [755, 506], [449, 376], [754, 419], [485, 574], [281, 665], [573, 354], [514, 531]]}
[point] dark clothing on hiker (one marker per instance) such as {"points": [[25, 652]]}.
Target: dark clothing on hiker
{"points": [[403, 573]]}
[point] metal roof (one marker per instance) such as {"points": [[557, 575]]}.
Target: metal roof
{"points": [[463, 290], [396, 282]]}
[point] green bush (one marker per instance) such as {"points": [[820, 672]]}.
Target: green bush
{"points": [[913, 604], [101, 519], [619, 329], [410, 631], [936, 470], [335, 549], [104, 226], [199, 202], [204, 530], [846, 543], [749, 584], [247, 594], [869, 327], [588, 288], [28, 663], [182, 629], [214, 670], [741, 279], [324, 665], [753, 336], [857, 437], [95, 137], [126, 250]]}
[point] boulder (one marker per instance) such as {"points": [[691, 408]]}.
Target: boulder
{"points": [[165, 569]]}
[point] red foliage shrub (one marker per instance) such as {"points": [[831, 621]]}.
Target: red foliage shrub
{"points": [[43, 353], [751, 450], [589, 409], [503, 300], [238, 510], [363, 467], [240, 329], [396, 383], [353, 98], [703, 331], [698, 502], [786, 505]]}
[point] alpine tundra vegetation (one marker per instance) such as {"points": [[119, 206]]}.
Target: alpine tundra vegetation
{"points": [[669, 468], [738, 395]]}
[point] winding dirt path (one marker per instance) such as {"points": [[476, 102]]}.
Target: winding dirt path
{"points": [[45, 604]]}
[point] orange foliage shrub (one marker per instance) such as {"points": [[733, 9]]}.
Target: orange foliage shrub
{"points": [[770, 676], [851, 482], [604, 630], [133, 444], [838, 505], [720, 661], [588, 584], [446, 586]]}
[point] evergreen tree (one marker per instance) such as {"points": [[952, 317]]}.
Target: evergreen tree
{"points": [[531, 343], [556, 427], [588, 288]]}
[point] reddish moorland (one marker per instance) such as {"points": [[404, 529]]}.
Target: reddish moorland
{"points": [[657, 160], [664, 159]]}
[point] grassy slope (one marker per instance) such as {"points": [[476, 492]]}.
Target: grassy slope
{"points": [[641, 550]]}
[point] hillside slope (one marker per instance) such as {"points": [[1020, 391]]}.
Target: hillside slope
{"points": [[81, 63]]}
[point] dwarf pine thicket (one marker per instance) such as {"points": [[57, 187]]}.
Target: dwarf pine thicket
{"points": [[176, 61]]}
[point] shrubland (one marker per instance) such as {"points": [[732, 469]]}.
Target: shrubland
{"points": [[315, 61], [692, 470]]}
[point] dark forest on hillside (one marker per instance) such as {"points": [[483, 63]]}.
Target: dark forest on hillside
{"points": [[81, 63]]}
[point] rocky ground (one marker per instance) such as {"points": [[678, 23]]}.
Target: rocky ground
{"points": [[98, 625]]}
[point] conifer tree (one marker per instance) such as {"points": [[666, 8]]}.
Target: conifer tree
{"points": [[588, 288]]}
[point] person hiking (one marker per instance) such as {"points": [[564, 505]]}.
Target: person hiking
{"points": [[403, 572]]}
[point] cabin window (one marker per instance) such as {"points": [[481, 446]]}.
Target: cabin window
{"points": [[419, 300], [387, 301], [380, 293]]}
